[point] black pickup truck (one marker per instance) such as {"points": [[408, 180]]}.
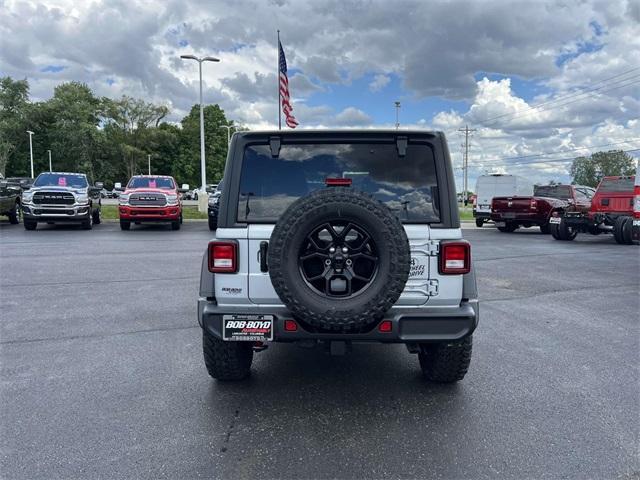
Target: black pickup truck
{"points": [[10, 200]]}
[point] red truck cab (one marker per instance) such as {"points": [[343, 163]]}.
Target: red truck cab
{"points": [[150, 198], [510, 213], [612, 211]]}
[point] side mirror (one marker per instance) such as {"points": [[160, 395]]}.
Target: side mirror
{"points": [[99, 185]]}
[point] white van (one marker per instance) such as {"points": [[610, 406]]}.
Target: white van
{"points": [[497, 185]]}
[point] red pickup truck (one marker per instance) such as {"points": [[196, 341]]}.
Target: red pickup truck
{"points": [[150, 198], [510, 213], [612, 211]]}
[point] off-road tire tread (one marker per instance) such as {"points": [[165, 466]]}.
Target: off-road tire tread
{"points": [[446, 362], [124, 225], [95, 216], [226, 360], [29, 225], [397, 276], [479, 222]]}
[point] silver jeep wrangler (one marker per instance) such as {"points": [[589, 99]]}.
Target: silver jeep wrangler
{"points": [[335, 237]]}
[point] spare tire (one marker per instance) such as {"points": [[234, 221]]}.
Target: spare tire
{"points": [[338, 259]]}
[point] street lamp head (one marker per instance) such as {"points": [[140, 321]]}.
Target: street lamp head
{"points": [[189, 57], [210, 59], [29, 132]]}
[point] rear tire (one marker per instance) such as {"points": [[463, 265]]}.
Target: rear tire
{"points": [[95, 216], [479, 222], [14, 215], [617, 229], [446, 362], [544, 228], [508, 228], [226, 360], [30, 225], [627, 230], [566, 233], [125, 225]]}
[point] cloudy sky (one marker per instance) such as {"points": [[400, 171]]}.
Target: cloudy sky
{"points": [[557, 78]]}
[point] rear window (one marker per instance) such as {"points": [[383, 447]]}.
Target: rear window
{"points": [[147, 182], [407, 185], [553, 191], [616, 185]]}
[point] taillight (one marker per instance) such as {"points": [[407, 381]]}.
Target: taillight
{"points": [[223, 257], [455, 258], [636, 205], [533, 204]]}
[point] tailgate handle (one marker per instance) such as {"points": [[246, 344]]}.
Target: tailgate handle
{"points": [[262, 256]]}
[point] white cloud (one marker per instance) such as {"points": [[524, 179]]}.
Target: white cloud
{"points": [[379, 82]]}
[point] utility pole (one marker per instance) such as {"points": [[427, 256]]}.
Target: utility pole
{"points": [[31, 150], [50, 169], [465, 160], [397, 115], [149, 158]]}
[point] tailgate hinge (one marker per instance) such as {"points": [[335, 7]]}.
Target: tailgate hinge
{"points": [[432, 288], [433, 248]]}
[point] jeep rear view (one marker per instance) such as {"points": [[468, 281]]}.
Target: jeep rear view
{"points": [[331, 238]]}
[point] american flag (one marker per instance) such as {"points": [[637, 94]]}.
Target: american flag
{"points": [[285, 100]]}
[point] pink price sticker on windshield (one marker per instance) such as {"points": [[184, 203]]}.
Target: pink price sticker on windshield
{"points": [[62, 181], [152, 184]]}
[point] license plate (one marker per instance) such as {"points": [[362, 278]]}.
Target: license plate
{"points": [[500, 224], [555, 220], [247, 328], [636, 223]]}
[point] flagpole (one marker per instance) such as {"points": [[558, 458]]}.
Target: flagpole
{"points": [[278, 81]]}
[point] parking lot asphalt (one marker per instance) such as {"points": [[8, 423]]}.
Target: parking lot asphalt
{"points": [[102, 373]]}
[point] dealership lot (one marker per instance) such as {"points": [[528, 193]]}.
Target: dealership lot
{"points": [[102, 372]]}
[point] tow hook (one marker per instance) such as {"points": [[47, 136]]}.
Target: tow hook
{"points": [[259, 346]]}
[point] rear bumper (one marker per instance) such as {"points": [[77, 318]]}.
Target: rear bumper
{"points": [[522, 218], [150, 214], [409, 325], [482, 215]]}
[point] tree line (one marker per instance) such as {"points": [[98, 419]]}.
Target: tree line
{"points": [[108, 139]]}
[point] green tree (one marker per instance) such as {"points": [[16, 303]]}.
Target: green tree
{"points": [[590, 170], [187, 167], [14, 99], [128, 122], [72, 134]]}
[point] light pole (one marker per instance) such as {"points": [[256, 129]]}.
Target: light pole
{"points": [[50, 169], [149, 157], [228, 127], [203, 172], [397, 115], [31, 150]]}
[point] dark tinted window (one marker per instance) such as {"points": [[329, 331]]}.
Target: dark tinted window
{"points": [[621, 185], [405, 184], [553, 191], [146, 182], [60, 180]]}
